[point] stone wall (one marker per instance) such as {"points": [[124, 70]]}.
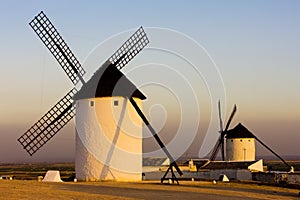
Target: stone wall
{"points": [[277, 178]]}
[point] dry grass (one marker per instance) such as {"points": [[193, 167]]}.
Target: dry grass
{"points": [[32, 171], [20, 189], [16, 190]]}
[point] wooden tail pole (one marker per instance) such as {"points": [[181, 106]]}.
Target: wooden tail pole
{"points": [[161, 144], [273, 152]]}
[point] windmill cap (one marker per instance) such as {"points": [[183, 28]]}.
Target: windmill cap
{"points": [[108, 81], [239, 131]]}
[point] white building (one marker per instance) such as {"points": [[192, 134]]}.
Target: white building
{"points": [[108, 129], [238, 170]]}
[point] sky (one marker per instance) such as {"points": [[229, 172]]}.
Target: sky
{"points": [[243, 52]]}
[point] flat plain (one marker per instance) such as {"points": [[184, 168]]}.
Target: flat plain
{"points": [[32, 189], [25, 186]]}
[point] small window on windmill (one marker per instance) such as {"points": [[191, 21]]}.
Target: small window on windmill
{"points": [[92, 103], [116, 102]]}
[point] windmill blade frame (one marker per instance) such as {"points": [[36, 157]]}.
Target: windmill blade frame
{"points": [[45, 128], [222, 148], [216, 149], [48, 34], [220, 142], [63, 111], [230, 118], [220, 116], [130, 48]]}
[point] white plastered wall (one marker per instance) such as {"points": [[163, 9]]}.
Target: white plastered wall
{"points": [[240, 149], [108, 140]]}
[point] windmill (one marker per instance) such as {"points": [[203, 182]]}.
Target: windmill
{"points": [[108, 87], [220, 142], [238, 141]]}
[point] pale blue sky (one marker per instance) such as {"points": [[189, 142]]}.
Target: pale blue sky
{"points": [[255, 45]]}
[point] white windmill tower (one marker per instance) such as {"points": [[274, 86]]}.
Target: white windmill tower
{"points": [[108, 128], [105, 120], [240, 144]]}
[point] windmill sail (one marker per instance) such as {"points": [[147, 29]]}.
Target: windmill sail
{"points": [[216, 148], [44, 129], [57, 46], [230, 118], [220, 142], [129, 49]]}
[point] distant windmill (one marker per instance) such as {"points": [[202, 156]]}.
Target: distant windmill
{"points": [[101, 102], [239, 140]]}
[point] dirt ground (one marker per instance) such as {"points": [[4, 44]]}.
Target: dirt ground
{"points": [[17, 189]]}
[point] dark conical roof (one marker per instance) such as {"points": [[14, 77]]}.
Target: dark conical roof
{"points": [[239, 131], [106, 82]]}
